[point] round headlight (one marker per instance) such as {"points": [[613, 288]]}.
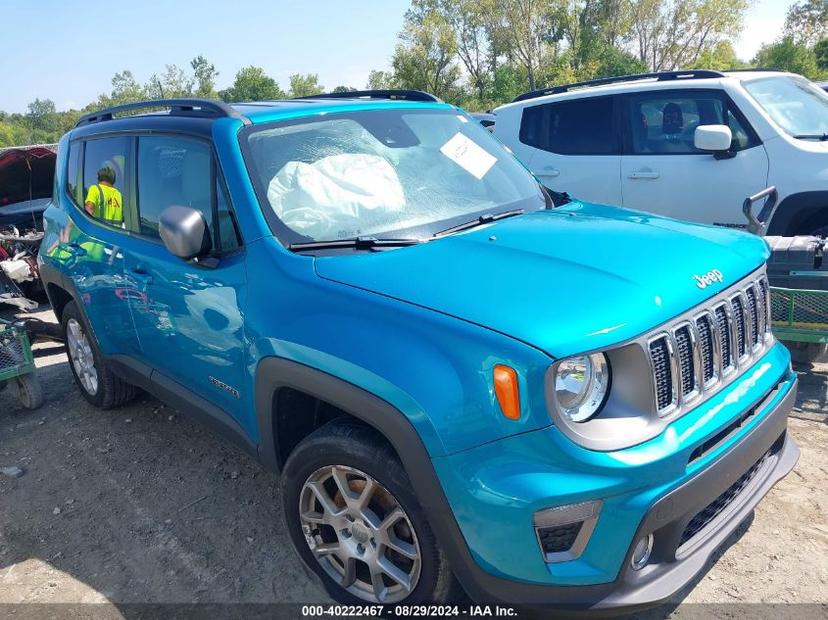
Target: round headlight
{"points": [[581, 383]]}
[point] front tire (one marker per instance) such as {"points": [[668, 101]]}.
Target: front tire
{"points": [[356, 523], [97, 383]]}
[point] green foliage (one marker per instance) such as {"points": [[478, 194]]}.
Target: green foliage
{"points": [[720, 58], [380, 80], [344, 89], [789, 56], [424, 60], [204, 74], [174, 82], [305, 85], [252, 84], [821, 54], [807, 22]]}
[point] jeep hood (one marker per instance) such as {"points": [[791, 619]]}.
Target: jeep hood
{"points": [[568, 280]]}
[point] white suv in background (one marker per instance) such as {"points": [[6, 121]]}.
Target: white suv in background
{"points": [[690, 145]]}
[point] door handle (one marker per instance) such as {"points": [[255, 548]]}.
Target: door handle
{"points": [[643, 174], [550, 171]]}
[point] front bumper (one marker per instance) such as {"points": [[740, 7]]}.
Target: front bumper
{"points": [[637, 502]]}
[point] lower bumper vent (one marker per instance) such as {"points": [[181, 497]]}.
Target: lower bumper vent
{"points": [[558, 539], [718, 505]]}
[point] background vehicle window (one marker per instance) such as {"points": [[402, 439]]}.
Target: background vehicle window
{"points": [[795, 104], [579, 127], [72, 172], [104, 179], [172, 171], [666, 124]]}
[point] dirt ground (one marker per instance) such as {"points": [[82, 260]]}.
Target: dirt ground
{"points": [[140, 505]]}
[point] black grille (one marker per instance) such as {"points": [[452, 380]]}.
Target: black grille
{"points": [[719, 504], [660, 356], [684, 350], [559, 538], [724, 333], [706, 347], [753, 313], [741, 326]]}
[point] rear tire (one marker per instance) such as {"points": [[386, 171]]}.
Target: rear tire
{"points": [[97, 383], [350, 553]]}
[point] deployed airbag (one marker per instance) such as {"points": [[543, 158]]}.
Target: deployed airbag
{"points": [[335, 195]]}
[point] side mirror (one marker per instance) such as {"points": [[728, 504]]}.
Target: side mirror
{"points": [[713, 138], [184, 232]]}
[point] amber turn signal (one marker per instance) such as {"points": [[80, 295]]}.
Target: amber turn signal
{"points": [[506, 390]]}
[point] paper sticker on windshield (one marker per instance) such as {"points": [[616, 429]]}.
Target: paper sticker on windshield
{"points": [[468, 155]]}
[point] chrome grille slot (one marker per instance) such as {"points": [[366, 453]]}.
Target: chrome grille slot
{"points": [[723, 323], [764, 297], [754, 313], [704, 327], [693, 358], [660, 357], [740, 325], [685, 352]]}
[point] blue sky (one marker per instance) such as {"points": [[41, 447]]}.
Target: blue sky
{"points": [[68, 51]]}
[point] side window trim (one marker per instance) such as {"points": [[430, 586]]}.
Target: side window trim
{"points": [[728, 105], [221, 184]]}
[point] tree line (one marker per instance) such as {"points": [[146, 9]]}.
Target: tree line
{"points": [[481, 53]]}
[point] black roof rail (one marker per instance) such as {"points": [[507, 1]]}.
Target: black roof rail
{"points": [[661, 76], [208, 108], [387, 93]]}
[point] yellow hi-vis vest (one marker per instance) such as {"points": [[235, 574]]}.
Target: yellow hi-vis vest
{"points": [[109, 205]]}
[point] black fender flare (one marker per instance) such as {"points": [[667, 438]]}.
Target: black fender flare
{"points": [[791, 206], [274, 373]]}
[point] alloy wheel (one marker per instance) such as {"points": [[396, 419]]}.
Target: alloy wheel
{"points": [[80, 353], [360, 534]]}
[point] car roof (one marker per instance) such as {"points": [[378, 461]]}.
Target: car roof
{"points": [[640, 83], [197, 115]]}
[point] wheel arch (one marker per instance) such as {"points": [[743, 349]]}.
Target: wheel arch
{"points": [[795, 211]]}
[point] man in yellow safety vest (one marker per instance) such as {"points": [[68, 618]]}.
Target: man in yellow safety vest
{"points": [[104, 201]]}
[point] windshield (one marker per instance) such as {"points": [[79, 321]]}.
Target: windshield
{"points": [[795, 104], [384, 173]]}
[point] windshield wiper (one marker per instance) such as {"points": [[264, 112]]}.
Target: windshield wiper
{"points": [[487, 218], [813, 136], [357, 243]]}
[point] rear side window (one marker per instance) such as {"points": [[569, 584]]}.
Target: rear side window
{"points": [[181, 171], [665, 123], [579, 127], [105, 182]]}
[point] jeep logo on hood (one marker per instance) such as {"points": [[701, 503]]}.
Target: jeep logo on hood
{"points": [[705, 280]]}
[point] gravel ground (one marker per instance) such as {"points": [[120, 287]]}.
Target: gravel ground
{"points": [[140, 505]]}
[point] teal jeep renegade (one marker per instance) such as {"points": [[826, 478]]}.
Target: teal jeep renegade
{"points": [[464, 377]]}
